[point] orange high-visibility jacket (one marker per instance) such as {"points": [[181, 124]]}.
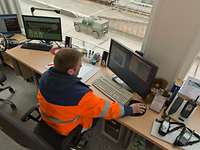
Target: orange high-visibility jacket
{"points": [[65, 102]]}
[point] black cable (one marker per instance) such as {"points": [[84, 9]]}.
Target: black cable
{"points": [[58, 45]]}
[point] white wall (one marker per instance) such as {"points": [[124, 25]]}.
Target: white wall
{"points": [[173, 37], [11, 7]]}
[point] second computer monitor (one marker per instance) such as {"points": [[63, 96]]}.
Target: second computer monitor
{"points": [[9, 24], [42, 28], [133, 69]]}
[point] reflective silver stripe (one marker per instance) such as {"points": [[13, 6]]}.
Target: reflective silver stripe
{"points": [[56, 120], [122, 112], [84, 129], [105, 109]]}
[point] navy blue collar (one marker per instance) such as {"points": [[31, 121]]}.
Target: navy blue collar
{"points": [[54, 71]]}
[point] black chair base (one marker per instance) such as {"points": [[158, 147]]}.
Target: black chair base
{"points": [[69, 142], [7, 101], [11, 90], [33, 113]]}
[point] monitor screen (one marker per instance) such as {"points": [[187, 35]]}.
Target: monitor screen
{"points": [[133, 69], [42, 28], [9, 24]]}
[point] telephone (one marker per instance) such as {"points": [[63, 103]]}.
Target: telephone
{"points": [[181, 109], [189, 107], [175, 105]]}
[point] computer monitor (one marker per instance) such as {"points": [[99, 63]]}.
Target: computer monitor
{"points": [[133, 69], [42, 28], [9, 24]]}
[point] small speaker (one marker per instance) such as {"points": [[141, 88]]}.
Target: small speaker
{"points": [[68, 42], [104, 58]]}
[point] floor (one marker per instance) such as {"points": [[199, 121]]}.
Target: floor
{"points": [[24, 98]]}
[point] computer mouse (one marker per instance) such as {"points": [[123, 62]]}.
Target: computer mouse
{"points": [[137, 114]]}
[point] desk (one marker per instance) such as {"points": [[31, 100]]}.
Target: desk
{"points": [[36, 61], [6, 59]]}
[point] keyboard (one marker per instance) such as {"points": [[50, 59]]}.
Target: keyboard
{"points": [[37, 46], [113, 90]]}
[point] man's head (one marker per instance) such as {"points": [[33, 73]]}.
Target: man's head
{"points": [[68, 61]]}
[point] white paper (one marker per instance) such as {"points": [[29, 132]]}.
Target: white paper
{"points": [[191, 88], [86, 72]]}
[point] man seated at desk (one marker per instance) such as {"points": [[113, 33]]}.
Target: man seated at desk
{"points": [[66, 102]]}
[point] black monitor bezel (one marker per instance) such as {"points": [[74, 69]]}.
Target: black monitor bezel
{"points": [[144, 89], [42, 17], [11, 32]]}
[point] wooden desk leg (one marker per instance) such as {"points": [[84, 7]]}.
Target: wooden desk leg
{"points": [[127, 138], [36, 78], [1, 59], [22, 69], [16, 67]]}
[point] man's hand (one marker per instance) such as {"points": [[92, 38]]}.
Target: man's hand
{"points": [[138, 108]]}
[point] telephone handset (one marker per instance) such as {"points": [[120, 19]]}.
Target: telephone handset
{"points": [[189, 108], [175, 105]]}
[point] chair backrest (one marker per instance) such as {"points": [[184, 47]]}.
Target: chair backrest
{"points": [[18, 132], [58, 141], [48, 134]]}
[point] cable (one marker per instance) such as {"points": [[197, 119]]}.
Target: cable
{"points": [[58, 45]]}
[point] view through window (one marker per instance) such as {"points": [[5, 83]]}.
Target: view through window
{"points": [[97, 21]]}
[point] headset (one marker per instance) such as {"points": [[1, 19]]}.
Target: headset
{"points": [[3, 43], [184, 138], [166, 126], [7, 43]]}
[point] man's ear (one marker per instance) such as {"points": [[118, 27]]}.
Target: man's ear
{"points": [[70, 71]]}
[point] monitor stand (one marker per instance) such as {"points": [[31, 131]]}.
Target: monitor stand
{"points": [[117, 80]]}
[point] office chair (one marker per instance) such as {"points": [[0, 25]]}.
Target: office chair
{"points": [[73, 141], [11, 90], [19, 133]]}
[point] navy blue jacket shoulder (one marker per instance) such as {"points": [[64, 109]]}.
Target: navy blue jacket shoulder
{"points": [[61, 89]]}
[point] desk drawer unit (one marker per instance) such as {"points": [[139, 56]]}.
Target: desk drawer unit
{"points": [[113, 130]]}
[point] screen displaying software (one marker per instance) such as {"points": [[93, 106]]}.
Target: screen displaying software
{"points": [[9, 24], [42, 28], [129, 65], [139, 68], [134, 70]]}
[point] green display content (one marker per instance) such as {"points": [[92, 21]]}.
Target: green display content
{"points": [[43, 30]]}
